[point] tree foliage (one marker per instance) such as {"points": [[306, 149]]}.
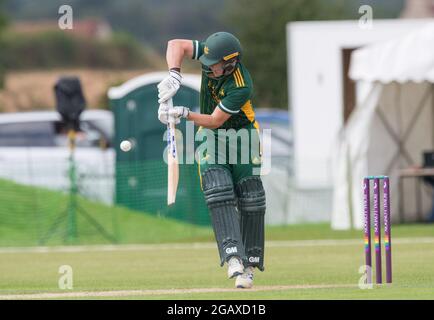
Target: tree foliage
{"points": [[3, 22], [3, 19], [54, 49], [152, 22]]}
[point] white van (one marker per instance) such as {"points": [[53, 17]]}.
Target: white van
{"points": [[34, 151]]}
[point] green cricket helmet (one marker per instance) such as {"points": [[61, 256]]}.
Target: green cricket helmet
{"points": [[221, 46]]}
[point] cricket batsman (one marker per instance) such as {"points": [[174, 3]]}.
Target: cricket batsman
{"points": [[233, 190]]}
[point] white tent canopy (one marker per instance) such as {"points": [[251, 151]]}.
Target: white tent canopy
{"points": [[402, 60], [390, 127]]}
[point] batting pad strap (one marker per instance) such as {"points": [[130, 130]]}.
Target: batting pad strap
{"points": [[219, 195]]}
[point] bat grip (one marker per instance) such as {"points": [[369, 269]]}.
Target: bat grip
{"points": [[171, 121]]}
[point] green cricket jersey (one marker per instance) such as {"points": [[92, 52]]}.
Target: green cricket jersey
{"points": [[232, 94]]}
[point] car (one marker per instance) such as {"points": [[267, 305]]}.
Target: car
{"points": [[34, 150], [279, 122]]}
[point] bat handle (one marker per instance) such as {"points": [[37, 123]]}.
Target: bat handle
{"points": [[170, 103], [171, 121]]}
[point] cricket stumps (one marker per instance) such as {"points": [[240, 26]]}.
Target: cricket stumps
{"points": [[377, 227]]}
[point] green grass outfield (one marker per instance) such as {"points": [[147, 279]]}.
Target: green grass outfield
{"points": [[27, 213], [302, 262], [161, 258]]}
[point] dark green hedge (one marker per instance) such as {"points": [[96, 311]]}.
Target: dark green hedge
{"points": [[55, 49]]}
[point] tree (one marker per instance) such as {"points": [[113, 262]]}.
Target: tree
{"points": [[3, 22], [3, 19], [261, 27], [152, 22]]}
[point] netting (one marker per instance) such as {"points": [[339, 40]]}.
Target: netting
{"points": [[143, 186], [43, 204], [126, 201]]}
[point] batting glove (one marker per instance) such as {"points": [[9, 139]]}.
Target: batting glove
{"points": [[169, 86], [164, 115], [179, 112]]}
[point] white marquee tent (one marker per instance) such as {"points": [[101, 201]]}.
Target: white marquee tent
{"points": [[390, 127]]}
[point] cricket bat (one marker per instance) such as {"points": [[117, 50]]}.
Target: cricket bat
{"points": [[172, 161]]}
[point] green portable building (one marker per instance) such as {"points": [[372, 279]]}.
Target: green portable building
{"points": [[141, 173]]}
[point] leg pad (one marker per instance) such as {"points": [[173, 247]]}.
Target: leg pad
{"points": [[220, 198], [251, 204]]}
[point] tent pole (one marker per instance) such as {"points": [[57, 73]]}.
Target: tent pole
{"points": [[399, 121], [432, 115]]}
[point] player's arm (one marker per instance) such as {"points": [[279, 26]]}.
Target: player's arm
{"points": [[177, 50], [210, 121], [228, 106]]}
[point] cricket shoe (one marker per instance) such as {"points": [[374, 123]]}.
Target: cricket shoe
{"points": [[235, 267], [245, 280]]}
